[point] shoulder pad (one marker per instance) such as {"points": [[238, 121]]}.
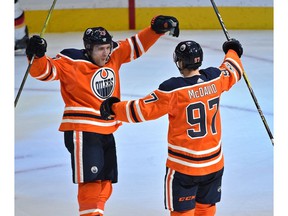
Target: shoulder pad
{"points": [[211, 72], [75, 54], [171, 84]]}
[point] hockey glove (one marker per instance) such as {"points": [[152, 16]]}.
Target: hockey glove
{"points": [[234, 45], [162, 24], [36, 46], [106, 107]]}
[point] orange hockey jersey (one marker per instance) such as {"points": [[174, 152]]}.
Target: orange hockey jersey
{"points": [[85, 85], [192, 105]]}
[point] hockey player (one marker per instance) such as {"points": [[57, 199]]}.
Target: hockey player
{"points": [[194, 166], [21, 30], [88, 77]]}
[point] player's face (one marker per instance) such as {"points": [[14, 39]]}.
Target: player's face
{"points": [[100, 54]]}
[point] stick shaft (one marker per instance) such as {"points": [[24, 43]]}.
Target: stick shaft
{"points": [[32, 59], [245, 76]]}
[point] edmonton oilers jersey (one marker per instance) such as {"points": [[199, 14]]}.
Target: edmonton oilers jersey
{"points": [[192, 105], [85, 85]]}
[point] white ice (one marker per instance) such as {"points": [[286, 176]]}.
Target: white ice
{"points": [[43, 182]]}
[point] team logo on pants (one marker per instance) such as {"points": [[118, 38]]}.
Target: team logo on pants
{"points": [[103, 83], [94, 169]]}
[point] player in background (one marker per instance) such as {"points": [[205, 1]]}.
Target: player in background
{"points": [[88, 77], [21, 29], [195, 165]]}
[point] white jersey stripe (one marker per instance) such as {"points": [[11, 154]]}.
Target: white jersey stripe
{"points": [[78, 156], [78, 121], [82, 109], [139, 111], [45, 73], [132, 49], [91, 211], [128, 112], [54, 72], [190, 151], [139, 44], [169, 189]]}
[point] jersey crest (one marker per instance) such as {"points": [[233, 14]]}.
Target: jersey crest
{"points": [[103, 83]]}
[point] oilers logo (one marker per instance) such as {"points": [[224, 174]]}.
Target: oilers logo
{"points": [[103, 83]]}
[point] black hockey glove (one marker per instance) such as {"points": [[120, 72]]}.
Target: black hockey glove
{"points": [[106, 107], [234, 45], [162, 24], [36, 45]]}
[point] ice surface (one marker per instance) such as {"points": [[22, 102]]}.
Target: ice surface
{"points": [[43, 182]]}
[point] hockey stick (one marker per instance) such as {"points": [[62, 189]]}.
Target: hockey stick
{"points": [[32, 59], [245, 76]]}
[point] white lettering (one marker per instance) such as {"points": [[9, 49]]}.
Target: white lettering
{"points": [[202, 91]]}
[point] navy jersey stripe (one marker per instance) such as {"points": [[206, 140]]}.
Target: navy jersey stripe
{"points": [[46, 78], [81, 115], [75, 54], [194, 158], [133, 111], [135, 46]]}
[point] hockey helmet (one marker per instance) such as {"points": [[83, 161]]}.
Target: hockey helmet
{"points": [[188, 54], [96, 35]]}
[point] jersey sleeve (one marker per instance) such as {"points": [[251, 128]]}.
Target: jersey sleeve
{"points": [[151, 107], [133, 47], [44, 69], [231, 70]]}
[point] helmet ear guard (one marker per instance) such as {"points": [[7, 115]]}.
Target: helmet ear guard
{"points": [[188, 54], [96, 35]]}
